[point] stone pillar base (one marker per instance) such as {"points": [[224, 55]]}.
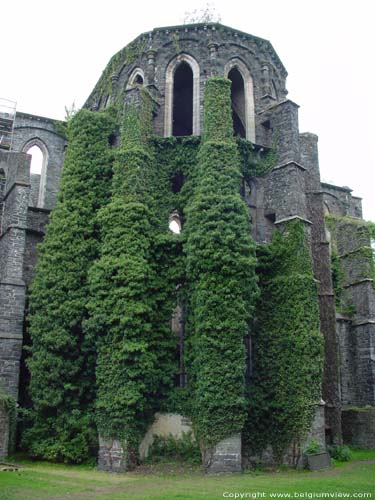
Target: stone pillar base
{"points": [[225, 457], [112, 456]]}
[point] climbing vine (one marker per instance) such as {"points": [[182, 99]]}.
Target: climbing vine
{"points": [[130, 305], [220, 258], [62, 358], [287, 345]]}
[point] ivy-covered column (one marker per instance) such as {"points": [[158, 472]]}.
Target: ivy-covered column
{"points": [[285, 387], [134, 364], [220, 269], [62, 363]]}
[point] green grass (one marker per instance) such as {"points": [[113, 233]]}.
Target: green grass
{"points": [[41, 480]]}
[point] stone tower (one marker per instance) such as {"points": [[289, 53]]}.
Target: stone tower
{"points": [[174, 64]]}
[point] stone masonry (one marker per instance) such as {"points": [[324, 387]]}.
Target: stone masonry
{"points": [[292, 189]]}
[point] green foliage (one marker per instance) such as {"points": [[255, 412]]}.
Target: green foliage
{"points": [[255, 163], [183, 449], [218, 123], [220, 259], [62, 358], [9, 403], [287, 345], [126, 56], [313, 447], [340, 453], [130, 305]]}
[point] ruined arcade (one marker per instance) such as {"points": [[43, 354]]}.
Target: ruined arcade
{"points": [[195, 128]]}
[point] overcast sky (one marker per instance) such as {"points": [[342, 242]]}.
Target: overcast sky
{"points": [[53, 53]]}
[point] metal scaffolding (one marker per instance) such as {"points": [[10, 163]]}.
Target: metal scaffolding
{"points": [[7, 117]]}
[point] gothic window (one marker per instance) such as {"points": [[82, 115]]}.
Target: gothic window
{"points": [[183, 100], [238, 102], [39, 161], [36, 159], [242, 95], [181, 110], [136, 79]]}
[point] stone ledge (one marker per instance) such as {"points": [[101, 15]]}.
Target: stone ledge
{"points": [[359, 282], [11, 336], [289, 163], [15, 282], [292, 217], [361, 322]]}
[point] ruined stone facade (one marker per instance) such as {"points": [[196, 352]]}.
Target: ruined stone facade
{"points": [[174, 63]]}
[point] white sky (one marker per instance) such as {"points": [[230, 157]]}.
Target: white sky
{"points": [[53, 53]]}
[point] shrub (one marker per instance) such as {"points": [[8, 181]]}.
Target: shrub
{"points": [[340, 453], [167, 448]]}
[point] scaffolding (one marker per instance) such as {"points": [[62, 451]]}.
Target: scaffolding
{"points": [[7, 117]]}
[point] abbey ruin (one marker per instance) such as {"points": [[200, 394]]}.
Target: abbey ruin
{"points": [[253, 324]]}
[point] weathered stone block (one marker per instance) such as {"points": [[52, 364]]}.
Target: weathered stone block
{"points": [[226, 456]]}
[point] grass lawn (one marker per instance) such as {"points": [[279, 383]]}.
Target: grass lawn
{"points": [[42, 480]]}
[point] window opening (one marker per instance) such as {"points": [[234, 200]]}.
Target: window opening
{"points": [[238, 102], [183, 100], [175, 224], [37, 159], [138, 80]]}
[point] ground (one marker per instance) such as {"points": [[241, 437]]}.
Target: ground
{"points": [[42, 480]]}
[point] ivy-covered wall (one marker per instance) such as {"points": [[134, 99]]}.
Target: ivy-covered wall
{"points": [[287, 365], [353, 269], [103, 308], [62, 360], [221, 277]]}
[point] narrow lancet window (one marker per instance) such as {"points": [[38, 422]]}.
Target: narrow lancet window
{"points": [[238, 102], [36, 159], [183, 100]]}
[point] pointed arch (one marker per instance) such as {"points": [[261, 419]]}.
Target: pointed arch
{"points": [[170, 92], [43, 173], [136, 78], [248, 94]]}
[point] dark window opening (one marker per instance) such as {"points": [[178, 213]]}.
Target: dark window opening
{"points": [[138, 80], [112, 140], [177, 182], [183, 100], [238, 102]]}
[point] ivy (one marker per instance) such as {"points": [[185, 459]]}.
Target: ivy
{"points": [[220, 259], [9, 404], [62, 358], [287, 346], [130, 305]]}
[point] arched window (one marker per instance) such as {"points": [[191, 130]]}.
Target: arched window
{"points": [[242, 93], [182, 122], [238, 102], [36, 164], [181, 110], [136, 79], [174, 223], [39, 161]]}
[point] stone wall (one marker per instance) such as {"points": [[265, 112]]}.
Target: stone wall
{"points": [[213, 46], [46, 133], [359, 427]]}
